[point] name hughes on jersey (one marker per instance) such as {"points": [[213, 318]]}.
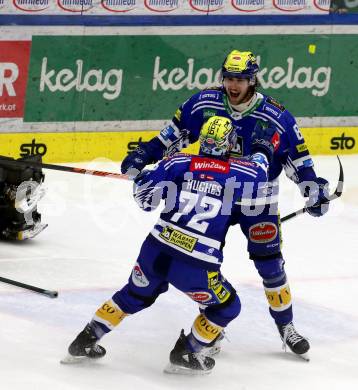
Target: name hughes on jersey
{"points": [[203, 186]]}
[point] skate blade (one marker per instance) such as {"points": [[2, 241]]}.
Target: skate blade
{"points": [[304, 356], [69, 359], [179, 370]]}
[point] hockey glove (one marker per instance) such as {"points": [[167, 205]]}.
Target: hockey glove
{"points": [[144, 154], [144, 192], [265, 140], [318, 202]]}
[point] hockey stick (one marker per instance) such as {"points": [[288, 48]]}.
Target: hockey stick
{"points": [[47, 293], [84, 171], [336, 194]]}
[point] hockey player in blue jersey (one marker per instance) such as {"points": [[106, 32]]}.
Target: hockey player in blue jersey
{"points": [[239, 100], [185, 246]]}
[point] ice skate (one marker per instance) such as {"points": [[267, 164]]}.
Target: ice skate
{"points": [[291, 338], [185, 362], [215, 348], [84, 347]]}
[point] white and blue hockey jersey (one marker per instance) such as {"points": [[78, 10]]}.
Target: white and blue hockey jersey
{"points": [[200, 195], [292, 153]]}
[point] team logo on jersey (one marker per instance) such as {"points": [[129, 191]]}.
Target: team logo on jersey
{"points": [[199, 296], [179, 239], [209, 113], [208, 164], [275, 103], [263, 232], [138, 277]]}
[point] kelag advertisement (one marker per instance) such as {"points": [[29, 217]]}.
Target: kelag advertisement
{"points": [[94, 78], [77, 97]]}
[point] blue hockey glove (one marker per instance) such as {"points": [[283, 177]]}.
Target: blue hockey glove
{"points": [[318, 201], [265, 139], [137, 160]]}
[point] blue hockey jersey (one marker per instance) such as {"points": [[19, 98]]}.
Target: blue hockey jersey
{"points": [[292, 153], [200, 195]]}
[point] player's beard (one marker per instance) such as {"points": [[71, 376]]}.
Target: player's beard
{"points": [[240, 97]]}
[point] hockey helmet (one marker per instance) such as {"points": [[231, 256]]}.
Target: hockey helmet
{"points": [[240, 64], [217, 136]]}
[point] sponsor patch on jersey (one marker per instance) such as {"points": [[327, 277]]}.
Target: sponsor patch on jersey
{"points": [[208, 164], [214, 281], [275, 140], [177, 114], [202, 176], [138, 277], [200, 296], [167, 132], [208, 113], [263, 232], [275, 103], [178, 238], [272, 111], [301, 148], [244, 163]]}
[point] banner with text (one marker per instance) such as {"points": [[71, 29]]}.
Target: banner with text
{"points": [[14, 63], [163, 7], [132, 78]]}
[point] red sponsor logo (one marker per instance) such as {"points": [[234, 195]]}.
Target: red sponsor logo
{"points": [[14, 66], [290, 5], [322, 5], [118, 6], [206, 5], [75, 5], [275, 140], [263, 232], [199, 296], [161, 6], [31, 5], [248, 6], [208, 164]]}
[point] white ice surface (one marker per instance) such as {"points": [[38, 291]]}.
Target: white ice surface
{"points": [[94, 234]]}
